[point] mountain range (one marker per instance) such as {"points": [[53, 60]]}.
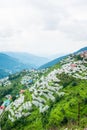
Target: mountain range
{"points": [[12, 62], [29, 59], [9, 65]]}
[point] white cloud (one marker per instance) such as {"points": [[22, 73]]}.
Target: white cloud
{"points": [[43, 27]]}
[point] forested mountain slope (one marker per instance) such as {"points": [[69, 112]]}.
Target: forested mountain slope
{"points": [[57, 100]]}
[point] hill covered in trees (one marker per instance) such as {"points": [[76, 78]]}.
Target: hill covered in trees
{"points": [[10, 65], [51, 99]]}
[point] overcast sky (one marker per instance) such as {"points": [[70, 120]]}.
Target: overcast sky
{"points": [[43, 27]]}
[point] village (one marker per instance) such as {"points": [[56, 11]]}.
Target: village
{"points": [[43, 90]]}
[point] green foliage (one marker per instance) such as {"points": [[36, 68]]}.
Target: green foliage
{"points": [[4, 91], [5, 125], [66, 80], [12, 89], [63, 113], [78, 57], [28, 96], [85, 101]]}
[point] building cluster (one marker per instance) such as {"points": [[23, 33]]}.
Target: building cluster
{"points": [[77, 69], [5, 82], [30, 77], [84, 54], [26, 80], [44, 89], [41, 94], [5, 103]]}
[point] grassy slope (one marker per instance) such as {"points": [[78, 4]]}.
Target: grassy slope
{"points": [[66, 111]]}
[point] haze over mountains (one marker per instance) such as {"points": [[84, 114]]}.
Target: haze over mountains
{"points": [[9, 65], [11, 62], [29, 59]]}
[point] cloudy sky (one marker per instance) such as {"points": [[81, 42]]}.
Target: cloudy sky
{"points": [[43, 27]]}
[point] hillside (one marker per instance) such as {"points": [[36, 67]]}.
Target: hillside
{"points": [[10, 65], [81, 50], [4, 73], [56, 99], [57, 60], [29, 59], [51, 63]]}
